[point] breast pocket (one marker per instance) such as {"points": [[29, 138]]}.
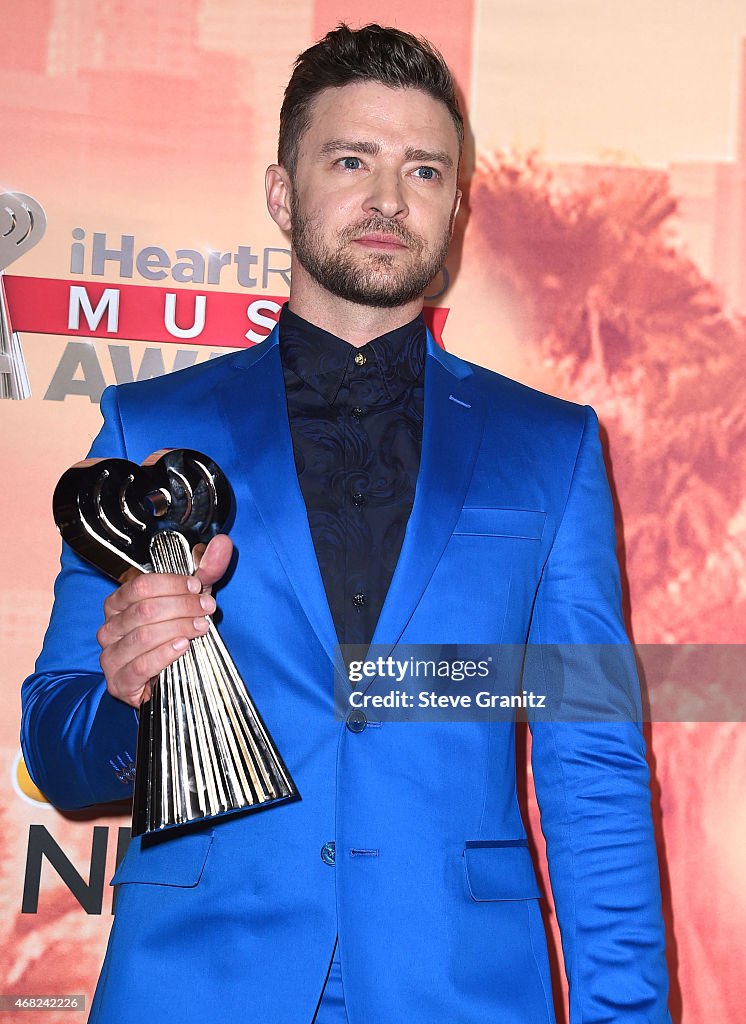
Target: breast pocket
{"points": [[178, 861], [519, 523], [499, 870]]}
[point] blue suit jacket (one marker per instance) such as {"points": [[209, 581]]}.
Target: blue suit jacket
{"points": [[433, 892]]}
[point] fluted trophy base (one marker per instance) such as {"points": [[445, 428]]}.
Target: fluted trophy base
{"points": [[203, 750]]}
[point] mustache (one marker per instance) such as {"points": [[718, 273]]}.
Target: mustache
{"points": [[384, 226]]}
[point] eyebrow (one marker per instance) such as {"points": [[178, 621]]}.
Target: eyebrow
{"points": [[350, 146], [429, 156], [373, 149]]}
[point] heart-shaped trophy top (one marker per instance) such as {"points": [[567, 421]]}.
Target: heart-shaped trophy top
{"points": [[109, 510]]}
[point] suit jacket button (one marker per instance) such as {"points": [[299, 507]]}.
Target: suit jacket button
{"points": [[356, 721], [329, 853]]}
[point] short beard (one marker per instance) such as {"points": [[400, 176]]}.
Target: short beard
{"points": [[340, 273]]}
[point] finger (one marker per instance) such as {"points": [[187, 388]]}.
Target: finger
{"points": [[130, 682], [144, 653], [215, 559], [146, 586], [148, 637], [151, 611], [197, 553]]}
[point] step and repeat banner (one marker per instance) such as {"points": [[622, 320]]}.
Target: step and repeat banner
{"points": [[601, 256]]}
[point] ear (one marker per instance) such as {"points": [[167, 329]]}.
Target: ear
{"points": [[455, 209], [277, 185]]}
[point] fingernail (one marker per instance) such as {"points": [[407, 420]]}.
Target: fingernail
{"points": [[208, 603], [181, 644], [193, 585], [202, 625]]}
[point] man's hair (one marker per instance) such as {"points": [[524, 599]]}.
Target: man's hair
{"points": [[369, 54]]}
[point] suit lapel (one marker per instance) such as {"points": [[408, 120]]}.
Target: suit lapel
{"points": [[451, 433], [255, 411]]}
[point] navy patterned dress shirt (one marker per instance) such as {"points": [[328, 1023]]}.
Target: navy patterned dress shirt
{"points": [[355, 418]]}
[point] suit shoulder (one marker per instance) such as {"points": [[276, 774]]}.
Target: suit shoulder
{"points": [[528, 404], [186, 384], [542, 433]]}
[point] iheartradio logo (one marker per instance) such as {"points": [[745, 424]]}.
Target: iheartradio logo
{"points": [[22, 224]]}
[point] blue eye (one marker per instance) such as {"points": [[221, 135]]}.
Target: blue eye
{"points": [[351, 163], [427, 173]]}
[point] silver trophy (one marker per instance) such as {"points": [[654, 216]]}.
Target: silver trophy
{"points": [[202, 747], [22, 224]]}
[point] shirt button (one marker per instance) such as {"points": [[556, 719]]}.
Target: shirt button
{"points": [[358, 498], [356, 721], [360, 358], [358, 413], [329, 853], [359, 600]]}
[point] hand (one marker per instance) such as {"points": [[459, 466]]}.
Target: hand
{"points": [[150, 619]]}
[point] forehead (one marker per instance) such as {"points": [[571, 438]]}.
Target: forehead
{"points": [[375, 112]]}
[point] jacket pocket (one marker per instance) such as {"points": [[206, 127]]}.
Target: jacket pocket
{"points": [[521, 523], [178, 861], [499, 869]]}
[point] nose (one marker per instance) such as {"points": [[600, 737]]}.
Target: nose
{"points": [[386, 196]]}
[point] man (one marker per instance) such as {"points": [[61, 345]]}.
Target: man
{"points": [[400, 887]]}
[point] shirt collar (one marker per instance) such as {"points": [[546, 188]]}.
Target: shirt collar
{"points": [[322, 359]]}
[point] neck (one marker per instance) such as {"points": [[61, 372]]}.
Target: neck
{"points": [[355, 323]]}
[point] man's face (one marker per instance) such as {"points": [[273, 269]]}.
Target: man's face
{"points": [[373, 198]]}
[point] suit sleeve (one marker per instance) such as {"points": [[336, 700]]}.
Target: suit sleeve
{"points": [[74, 734], [591, 776]]}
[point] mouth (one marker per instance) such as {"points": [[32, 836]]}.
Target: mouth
{"points": [[380, 240]]}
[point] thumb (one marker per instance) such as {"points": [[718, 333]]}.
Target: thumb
{"points": [[214, 560]]}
